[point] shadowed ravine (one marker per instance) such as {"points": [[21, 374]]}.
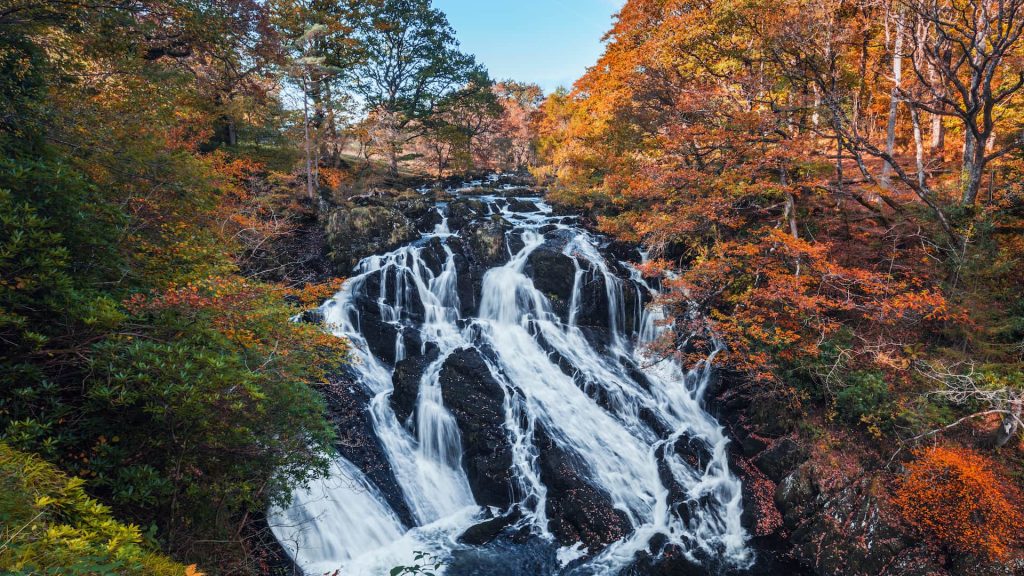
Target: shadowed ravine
{"points": [[521, 423]]}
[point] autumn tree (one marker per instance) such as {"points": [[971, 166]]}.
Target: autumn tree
{"points": [[969, 65], [514, 140]]}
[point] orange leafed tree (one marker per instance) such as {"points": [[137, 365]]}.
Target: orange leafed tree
{"points": [[955, 496]]}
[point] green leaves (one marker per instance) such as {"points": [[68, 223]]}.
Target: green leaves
{"points": [[426, 565], [48, 525]]}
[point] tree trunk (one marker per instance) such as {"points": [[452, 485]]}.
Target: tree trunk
{"points": [[305, 127], [894, 99], [938, 140], [393, 159], [973, 168], [1010, 425], [938, 134], [915, 117]]}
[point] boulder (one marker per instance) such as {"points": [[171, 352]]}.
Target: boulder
{"points": [[406, 381], [519, 205], [477, 401], [664, 559], [356, 232], [486, 243], [554, 275], [462, 211], [429, 221], [577, 510], [779, 458], [488, 530], [313, 316]]}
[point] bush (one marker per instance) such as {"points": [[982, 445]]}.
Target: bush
{"points": [[865, 400], [956, 497], [49, 526]]}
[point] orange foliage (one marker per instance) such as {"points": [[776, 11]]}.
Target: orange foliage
{"points": [[250, 315], [956, 496], [683, 137]]}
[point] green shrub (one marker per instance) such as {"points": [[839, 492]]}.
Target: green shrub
{"points": [[865, 399], [48, 525]]}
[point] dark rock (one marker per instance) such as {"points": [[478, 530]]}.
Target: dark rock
{"points": [[485, 242], [469, 277], [780, 458], [488, 530], [517, 205], [851, 529], [593, 300], [477, 400], [664, 560], [695, 453], [381, 337], [414, 207], [577, 511], [434, 255], [313, 316], [354, 233], [347, 404], [406, 381], [462, 211], [553, 274], [624, 251], [429, 221]]}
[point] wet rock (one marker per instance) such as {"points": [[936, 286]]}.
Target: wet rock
{"points": [[347, 410], [381, 337], [313, 316], [781, 457], [695, 454], [522, 206], [553, 273], [520, 554], [406, 381], [434, 255], [477, 400], [429, 221], [623, 251], [488, 530], [356, 232], [577, 510], [462, 211], [469, 278], [664, 559], [486, 243], [593, 300], [388, 280]]}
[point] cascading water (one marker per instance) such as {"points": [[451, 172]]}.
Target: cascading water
{"points": [[618, 417]]}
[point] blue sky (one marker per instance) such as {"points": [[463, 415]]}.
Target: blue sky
{"points": [[550, 42]]}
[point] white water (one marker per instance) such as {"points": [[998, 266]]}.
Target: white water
{"points": [[346, 524]]}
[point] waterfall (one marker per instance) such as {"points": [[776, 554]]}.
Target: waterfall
{"points": [[615, 413]]}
